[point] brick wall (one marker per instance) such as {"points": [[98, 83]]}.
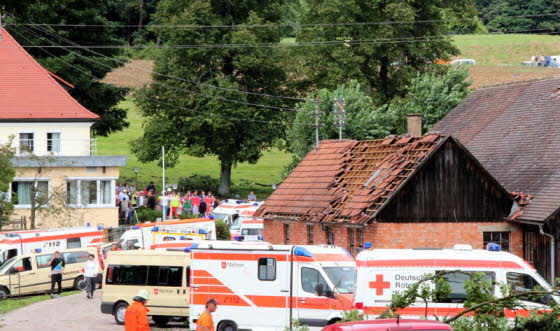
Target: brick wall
{"points": [[399, 235]]}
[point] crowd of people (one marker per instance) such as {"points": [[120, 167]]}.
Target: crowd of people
{"points": [[173, 204]]}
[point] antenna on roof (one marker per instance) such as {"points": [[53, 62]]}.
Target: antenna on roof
{"points": [[317, 122], [338, 106]]}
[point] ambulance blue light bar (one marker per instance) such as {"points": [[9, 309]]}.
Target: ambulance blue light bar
{"points": [[493, 247], [155, 228], [38, 250], [368, 245], [88, 224], [201, 231], [99, 227], [211, 216], [136, 227], [183, 238], [187, 250], [302, 251], [261, 238]]}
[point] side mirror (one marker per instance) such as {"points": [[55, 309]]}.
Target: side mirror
{"points": [[319, 289], [546, 299], [12, 270], [329, 293]]}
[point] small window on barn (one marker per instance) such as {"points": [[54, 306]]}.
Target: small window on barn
{"points": [[330, 235], [500, 238], [310, 238], [286, 233], [360, 239], [351, 242]]}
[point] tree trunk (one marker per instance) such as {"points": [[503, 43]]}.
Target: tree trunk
{"points": [[225, 178]]}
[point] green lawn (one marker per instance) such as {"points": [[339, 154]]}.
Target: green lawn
{"points": [[266, 171], [15, 303], [506, 49]]}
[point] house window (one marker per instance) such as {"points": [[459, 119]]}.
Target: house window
{"points": [[330, 236], [89, 192], [310, 234], [500, 238], [360, 235], [286, 233], [22, 191], [267, 269], [53, 142], [27, 142], [351, 243]]}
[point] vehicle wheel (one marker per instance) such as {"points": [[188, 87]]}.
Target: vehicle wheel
{"points": [[80, 284], [227, 326], [4, 293], [120, 308], [161, 321]]}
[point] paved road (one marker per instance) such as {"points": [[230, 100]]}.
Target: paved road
{"points": [[73, 312]]}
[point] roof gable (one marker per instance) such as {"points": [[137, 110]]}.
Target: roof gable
{"points": [[513, 131], [352, 181], [29, 92]]}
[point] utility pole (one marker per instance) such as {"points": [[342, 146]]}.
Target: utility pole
{"points": [[338, 106], [317, 123], [0, 26], [163, 179]]}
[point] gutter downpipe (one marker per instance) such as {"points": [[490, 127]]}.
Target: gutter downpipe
{"points": [[552, 254]]}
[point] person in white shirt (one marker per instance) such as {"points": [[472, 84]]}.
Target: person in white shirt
{"points": [[90, 274], [164, 202]]}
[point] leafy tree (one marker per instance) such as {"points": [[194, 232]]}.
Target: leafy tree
{"points": [[222, 231], [395, 53], [504, 15], [198, 120], [362, 120], [7, 173], [135, 14], [98, 97], [431, 95]]}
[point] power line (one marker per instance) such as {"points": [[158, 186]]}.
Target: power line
{"points": [[342, 42], [282, 25], [142, 96]]}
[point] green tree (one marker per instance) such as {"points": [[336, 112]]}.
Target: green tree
{"points": [[81, 71], [7, 173], [199, 120], [505, 15], [395, 53], [222, 231], [362, 120], [431, 95]]}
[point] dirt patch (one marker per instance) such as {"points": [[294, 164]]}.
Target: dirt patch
{"points": [[135, 74], [496, 75]]}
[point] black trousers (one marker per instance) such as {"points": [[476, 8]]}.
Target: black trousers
{"points": [[90, 284], [56, 278]]}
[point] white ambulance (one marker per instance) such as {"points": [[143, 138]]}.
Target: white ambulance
{"points": [[263, 286], [251, 229], [234, 212], [47, 240], [382, 272], [147, 234]]}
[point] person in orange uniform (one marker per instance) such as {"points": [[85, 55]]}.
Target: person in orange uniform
{"points": [[136, 315], [205, 322]]}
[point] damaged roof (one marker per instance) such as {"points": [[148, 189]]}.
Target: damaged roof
{"points": [[513, 131], [347, 180]]}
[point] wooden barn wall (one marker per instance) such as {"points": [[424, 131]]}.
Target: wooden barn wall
{"points": [[450, 187], [536, 249]]}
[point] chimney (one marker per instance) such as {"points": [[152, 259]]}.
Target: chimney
{"points": [[414, 124]]}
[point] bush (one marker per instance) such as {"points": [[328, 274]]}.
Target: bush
{"points": [[198, 182], [222, 231], [146, 215]]}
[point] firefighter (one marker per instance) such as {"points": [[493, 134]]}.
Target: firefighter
{"points": [[136, 315]]}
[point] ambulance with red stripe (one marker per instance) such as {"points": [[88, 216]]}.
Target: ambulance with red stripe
{"points": [[148, 234], [264, 286], [235, 213], [47, 240], [383, 272]]}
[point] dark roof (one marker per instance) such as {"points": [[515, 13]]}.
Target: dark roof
{"points": [[513, 131], [348, 181]]}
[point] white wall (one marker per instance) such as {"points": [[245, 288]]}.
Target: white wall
{"points": [[75, 137]]}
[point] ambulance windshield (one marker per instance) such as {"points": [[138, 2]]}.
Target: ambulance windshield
{"points": [[343, 278]]}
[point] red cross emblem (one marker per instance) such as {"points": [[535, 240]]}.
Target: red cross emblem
{"points": [[379, 285]]}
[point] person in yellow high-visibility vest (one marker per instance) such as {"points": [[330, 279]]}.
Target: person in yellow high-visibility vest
{"points": [[174, 205]]}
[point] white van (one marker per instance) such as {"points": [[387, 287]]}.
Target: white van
{"points": [[165, 275], [31, 273], [382, 272]]}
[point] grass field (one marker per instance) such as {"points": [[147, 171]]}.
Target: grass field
{"points": [[15, 303], [266, 171]]}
